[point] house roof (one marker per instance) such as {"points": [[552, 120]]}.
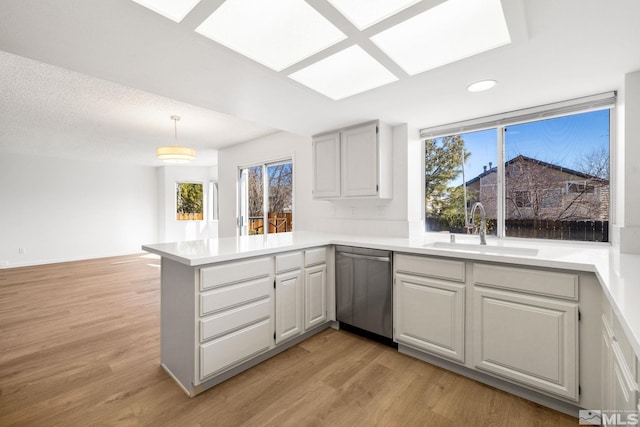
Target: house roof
{"points": [[522, 158]]}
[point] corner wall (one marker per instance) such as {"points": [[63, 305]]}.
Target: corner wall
{"points": [[62, 210], [394, 217], [627, 204], [169, 228]]}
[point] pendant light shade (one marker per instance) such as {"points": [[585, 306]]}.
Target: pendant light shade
{"points": [[175, 153]]}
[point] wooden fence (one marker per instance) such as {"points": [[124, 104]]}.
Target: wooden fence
{"points": [[278, 223], [585, 231]]}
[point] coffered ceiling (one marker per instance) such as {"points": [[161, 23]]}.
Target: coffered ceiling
{"points": [[99, 79]]}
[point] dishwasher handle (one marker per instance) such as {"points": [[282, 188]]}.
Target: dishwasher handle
{"points": [[367, 257]]}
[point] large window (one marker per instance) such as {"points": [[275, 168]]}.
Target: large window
{"points": [[539, 178], [266, 198]]}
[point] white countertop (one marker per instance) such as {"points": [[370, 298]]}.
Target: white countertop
{"points": [[619, 274]]}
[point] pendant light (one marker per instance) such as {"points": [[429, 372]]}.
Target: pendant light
{"points": [[175, 153]]}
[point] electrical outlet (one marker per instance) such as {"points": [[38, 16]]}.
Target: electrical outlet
{"points": [[353, 211], [381, 211], [21, 251]]}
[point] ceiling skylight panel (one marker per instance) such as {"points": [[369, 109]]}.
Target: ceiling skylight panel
{"points": [[345, 73], [172, 9], [451, 31], [365, 13], [276, 34]]}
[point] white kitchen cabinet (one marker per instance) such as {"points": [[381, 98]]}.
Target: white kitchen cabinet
{"points": [[429, 305], [353, 162], [527, 338], [429, 315], [359, 152], [235, 314], [326, 166], [315, 296], [620, 388], [289, 296], [315, 287]]}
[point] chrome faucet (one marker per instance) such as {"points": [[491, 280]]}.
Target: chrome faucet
{"points": [[483, 221]]}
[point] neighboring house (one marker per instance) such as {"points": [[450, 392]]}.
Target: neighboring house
{"points": [[544, 191]]}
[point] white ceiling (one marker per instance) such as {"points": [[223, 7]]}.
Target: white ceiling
{"points": [[108, 74]]}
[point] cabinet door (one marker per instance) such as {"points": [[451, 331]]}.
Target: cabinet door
{"points": [[315, 296], [528, 339], [360, 161], [289, 305], [326, 166], [429, 315], [624, 394]]}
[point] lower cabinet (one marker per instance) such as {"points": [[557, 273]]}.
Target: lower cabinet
{"points": [[430, 315], [245, 308], [516, 324], [315, 296], [289, 305], [235, 317], [429, 305], [620, 388], [528, 339]]}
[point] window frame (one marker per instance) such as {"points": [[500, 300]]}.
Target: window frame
{"points": [[175, 201], [265, 190], [500, 122]]}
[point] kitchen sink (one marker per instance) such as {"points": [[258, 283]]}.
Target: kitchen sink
{"points": [[483, 249]]}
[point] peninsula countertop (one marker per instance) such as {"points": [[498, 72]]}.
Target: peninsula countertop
{"points": [[619, 274]]}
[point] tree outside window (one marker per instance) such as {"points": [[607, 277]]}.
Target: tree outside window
{"points": [[189, 201]]}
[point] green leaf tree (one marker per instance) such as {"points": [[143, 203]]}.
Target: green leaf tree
{"points": [[443, 164], [189, 198]]}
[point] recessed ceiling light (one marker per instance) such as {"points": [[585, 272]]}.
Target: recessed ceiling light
{"points": [[174, 10], [446, 33], [481, 85], [345, 73], [276, 34], [365, 13]]}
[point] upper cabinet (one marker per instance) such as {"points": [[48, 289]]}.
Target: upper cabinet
{"points": [[326, 165], [354, 162]]}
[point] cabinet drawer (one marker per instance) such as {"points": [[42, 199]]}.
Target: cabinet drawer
{"points": [[315, 256], [430, 267], [233, 272], [235, 348], [235, 295], [288, 262], [561, 285], [234, 319]]}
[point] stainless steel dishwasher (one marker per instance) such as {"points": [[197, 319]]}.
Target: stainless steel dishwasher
{"points": [[364, 291]]}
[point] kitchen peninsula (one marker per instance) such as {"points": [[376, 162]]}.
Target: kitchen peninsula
{"points": [[230, 303]]}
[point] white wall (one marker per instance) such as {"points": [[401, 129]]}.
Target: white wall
{"points": [[274, 147], [627, 203], [374, 217], [169, 228], [62, 210]]}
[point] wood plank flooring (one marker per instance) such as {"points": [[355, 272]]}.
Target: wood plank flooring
{"points": [[79, 346]]}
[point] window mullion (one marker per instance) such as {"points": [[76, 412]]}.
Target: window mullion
{"points": [[265, 198], [500, 220]]}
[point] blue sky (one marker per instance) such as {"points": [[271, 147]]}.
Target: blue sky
{"points": [[562, 141]]}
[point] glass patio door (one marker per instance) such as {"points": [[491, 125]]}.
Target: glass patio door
{"points": [[266, 198]]}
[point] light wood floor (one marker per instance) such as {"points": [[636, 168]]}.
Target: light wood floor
{"points": [[79, 346]]}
